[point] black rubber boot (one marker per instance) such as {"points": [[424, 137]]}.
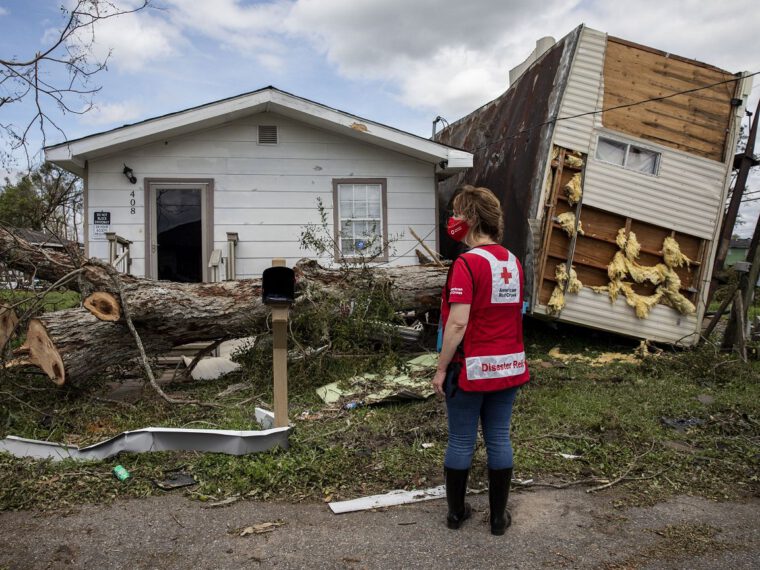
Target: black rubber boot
{"points": [[498, 493], [456, 489]]}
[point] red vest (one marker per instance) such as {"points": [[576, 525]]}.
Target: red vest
{"points": [[489, 279]]}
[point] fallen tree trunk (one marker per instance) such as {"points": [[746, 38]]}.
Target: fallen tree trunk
{"points": [[81, 343], [78, 344]]}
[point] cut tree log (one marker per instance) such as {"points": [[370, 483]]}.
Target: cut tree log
{"points": [[76, 344]]}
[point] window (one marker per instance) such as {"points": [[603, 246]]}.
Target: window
{"points": [[628, 156], [360, 217], [267, 134]]}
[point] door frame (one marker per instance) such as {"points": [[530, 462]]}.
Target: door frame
{"points": [[206, 186]]}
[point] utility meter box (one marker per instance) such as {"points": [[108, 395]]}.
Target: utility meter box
{"points": [[278, 285]]}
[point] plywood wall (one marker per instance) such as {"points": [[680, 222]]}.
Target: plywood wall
{"points": [[696, 122]]}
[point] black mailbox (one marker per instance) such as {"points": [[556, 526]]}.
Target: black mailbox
{"points": [[278, 285]]}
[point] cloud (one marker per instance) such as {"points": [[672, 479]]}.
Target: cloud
{"points": [[112, 113], [128, 42], [253, 30], [451, 57], [3, 11]]}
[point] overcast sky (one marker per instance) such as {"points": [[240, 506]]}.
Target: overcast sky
{"points": [[398, 62]]}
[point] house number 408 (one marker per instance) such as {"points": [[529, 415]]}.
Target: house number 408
{"points": [[132, 202]]}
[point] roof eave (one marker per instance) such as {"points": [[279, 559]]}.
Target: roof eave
{"points": [[72, 155]]}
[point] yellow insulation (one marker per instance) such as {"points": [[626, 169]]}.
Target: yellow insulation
{"points": [[573, 189], [624, 265], [574, 161], [671, 251], [567, 221], [557, 301]]}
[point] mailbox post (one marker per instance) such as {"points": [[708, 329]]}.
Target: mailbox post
{"points": [[278, 291]]}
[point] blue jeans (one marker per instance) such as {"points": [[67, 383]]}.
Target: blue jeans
{"points": [[494, 410]]}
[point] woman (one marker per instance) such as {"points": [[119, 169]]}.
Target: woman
{"points": [[482, 359]]}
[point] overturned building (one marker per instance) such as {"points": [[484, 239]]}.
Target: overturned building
{"points": [[612, 161]]}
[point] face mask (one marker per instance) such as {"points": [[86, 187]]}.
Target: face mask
{"points": [[457, 228]]}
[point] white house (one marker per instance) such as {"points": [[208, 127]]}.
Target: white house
{"points": [[241, 177]]}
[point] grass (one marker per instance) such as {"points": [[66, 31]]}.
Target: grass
{"points": [[610, 416], [52, 301]]}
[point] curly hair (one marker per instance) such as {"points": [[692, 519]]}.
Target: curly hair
{"points": [[482, 210]]}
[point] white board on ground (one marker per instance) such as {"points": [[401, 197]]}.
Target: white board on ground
{"points": [[390, 499]]}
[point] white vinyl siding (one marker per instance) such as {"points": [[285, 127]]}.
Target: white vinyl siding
{"points": [[265, 193], [583, 94]]}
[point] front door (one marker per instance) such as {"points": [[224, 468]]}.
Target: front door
{"points": [[179, 232]]}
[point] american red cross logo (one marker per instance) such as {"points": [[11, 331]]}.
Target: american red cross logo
{"points": [[506, 275]]}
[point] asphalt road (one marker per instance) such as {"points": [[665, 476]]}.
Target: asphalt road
{"points": [[551, 529]]}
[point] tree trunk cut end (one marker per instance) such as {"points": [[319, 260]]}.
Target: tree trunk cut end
{"points": [[42, 352], [104, 306]]}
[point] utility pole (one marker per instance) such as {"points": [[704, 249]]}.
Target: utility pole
{"points": [[738, 327], [729, 220]]}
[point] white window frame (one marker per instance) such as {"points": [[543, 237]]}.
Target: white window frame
{"points": [[338, 218], [628, 146]]}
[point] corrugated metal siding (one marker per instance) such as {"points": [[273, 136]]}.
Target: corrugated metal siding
{"points": [[685, 196], [583, 93], [595, 310]]}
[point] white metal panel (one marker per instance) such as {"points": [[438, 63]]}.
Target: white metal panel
{"points": [[595, 310], [583, 93]]}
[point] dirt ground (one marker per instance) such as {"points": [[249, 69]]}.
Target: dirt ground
{"points": [[551, 529]]}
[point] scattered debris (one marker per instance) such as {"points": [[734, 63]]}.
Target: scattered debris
{"points": [[706, 399], [175, 480], [427, 445], [232, 442], [601, 360], [223, 503], [680, 447], [308, 415], [260, 528], [390, 499], [392, 387], [569, 456], [211, 367], [681, 424], [121, 473], [232, 389]]}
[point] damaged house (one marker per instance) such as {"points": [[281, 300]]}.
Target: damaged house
{"points": [[217, 191], [612, 161]]}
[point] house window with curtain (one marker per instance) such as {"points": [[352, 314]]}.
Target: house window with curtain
{"points": [[360, 218], [628, 156]]}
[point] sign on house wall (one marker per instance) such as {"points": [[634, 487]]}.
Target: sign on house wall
{"points": [[101, 224]]}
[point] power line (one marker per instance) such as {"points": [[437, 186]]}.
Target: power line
{"points": [[613, 108], [594, 112]]}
